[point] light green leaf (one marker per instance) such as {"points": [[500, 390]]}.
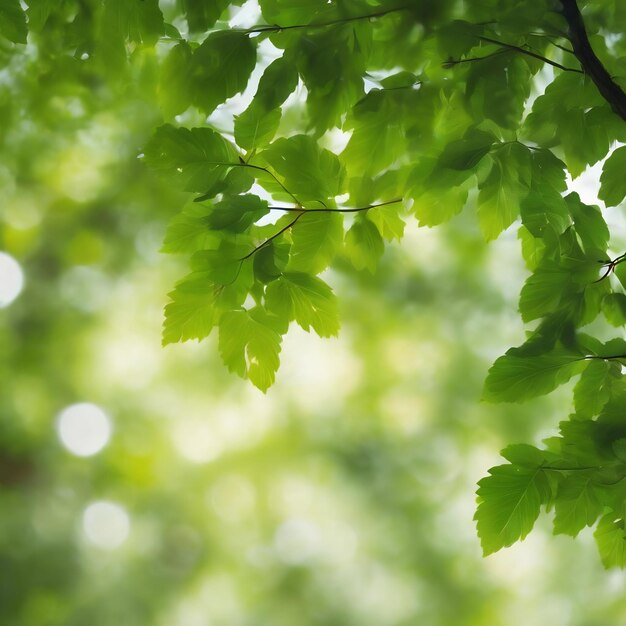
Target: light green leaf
{"points": [[175, 87], [189, 232], [378, 137], [195, 159], [306, 299], [311, 173], [509, 503], [502, 191], [611, 541], [577, 504], [193, 312], [364, 245], [589, 223], [533, 248], [316, 239], [389, 223], [249, 343], [221, 68], [517, 378], [613, 181], [256, 126], [593, 390]]}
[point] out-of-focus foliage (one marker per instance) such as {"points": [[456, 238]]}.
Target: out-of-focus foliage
{"points": [[147, 486]]}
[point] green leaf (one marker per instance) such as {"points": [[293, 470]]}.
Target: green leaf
{"points": [[502, 191], [221, 68], [465, 153], [194, 159], [542, 292], [249, 343], [611, 541], [279, 79], [288, 12], [517, 378], [256, 126], [189, 232], [533, 248], [38, 13], [311, 173], [612, 180], [13, 21], [378, 137], [577, 504], [390, 225], [589, 223], [307, 300], [139, 22], [271, 260], [193, 312], [593, 390], [497, 89], [237, 213], [364, 245], [175, 86], [523, 455], [316, 239], [202, 14], [614, 308], [509, 503]]}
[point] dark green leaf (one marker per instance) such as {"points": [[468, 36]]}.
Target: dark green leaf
{"points": [[518, 378], [221, 68]]}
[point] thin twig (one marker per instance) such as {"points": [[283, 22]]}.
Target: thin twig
{"points": [[326, 210], [530, 53], [270, 239], [275, 28]]}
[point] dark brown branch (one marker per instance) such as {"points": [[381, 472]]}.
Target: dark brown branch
{"points": [[270, 239], [530, 53], [325, 210], [590, 63]]}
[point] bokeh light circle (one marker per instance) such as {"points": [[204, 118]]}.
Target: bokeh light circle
{"points": [[84, 428], [106, 524], [11, 279]]}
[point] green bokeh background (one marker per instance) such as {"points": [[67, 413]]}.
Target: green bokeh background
{"points": [[343, 496]]}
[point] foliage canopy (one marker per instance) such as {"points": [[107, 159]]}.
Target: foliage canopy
{"points": [[414, 110]]}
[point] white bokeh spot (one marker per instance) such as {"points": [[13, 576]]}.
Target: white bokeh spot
{"points": [[84, 428], [106, 524], [11, 279]]}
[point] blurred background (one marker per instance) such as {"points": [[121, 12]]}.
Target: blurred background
{"points": [[146, 486]]}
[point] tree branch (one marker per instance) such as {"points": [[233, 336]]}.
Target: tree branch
{"points": [[357, 210], [590, 63], [270, 239], [530, 53], [275, 28]]}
